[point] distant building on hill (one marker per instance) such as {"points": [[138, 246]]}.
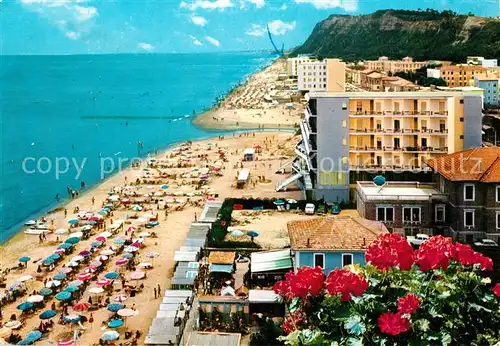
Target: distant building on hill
{"points": [[491, 86], [460, 75], [481, 61], [384, 64]]}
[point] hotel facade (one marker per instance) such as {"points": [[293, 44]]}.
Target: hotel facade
{"points": [[346, 133], [325, 75]]}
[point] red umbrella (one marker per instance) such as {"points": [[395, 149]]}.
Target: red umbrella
{"points": [[103, 282], [90, 269], [132, 228], [80, 307], [136, 244], [101, 239], [84, 277], [94, 218], [122, 261], [66, 342]]}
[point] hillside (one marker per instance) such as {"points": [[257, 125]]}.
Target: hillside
{"points": [[396, 33]]}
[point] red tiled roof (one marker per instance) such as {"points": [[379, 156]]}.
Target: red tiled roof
{"points": [[478, 164], [334, 233]]}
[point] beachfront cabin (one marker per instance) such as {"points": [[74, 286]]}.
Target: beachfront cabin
{"points": [[266, 302], [210, 212], [243, 178], [333, 241], [249, 154], [269, 267]]}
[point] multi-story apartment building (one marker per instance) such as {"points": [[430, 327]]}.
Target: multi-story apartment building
{"points": [[480, 60], [491, 86], [349, 132], [460, 75], [471, 179], [325, 75], [383, 64], [293, 64]]}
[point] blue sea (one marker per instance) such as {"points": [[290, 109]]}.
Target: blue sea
{"points": [[90, 107]]}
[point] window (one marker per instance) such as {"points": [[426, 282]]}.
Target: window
{"points": [[469, 192], [411, 214], [498, 219], [319, 260], [385, 214], [347, 259], [344, 123], [344, 106], [498, 194], [440, 215], [469, 218]]}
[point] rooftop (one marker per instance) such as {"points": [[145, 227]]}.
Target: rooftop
{"points": [[270, 260], [390, 95], [207, 338], [334, 233], [221, 257], [478, 164], [397, 191]]}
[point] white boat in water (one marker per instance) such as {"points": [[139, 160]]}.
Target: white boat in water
{"points": [[30, 223]]}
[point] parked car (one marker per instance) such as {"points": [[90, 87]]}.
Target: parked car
{"points": [[335, 209], [417, 240], [309, 209], [321, 209], [486, 243]]}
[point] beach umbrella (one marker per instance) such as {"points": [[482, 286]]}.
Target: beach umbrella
{"points": [[63, 295], [103, 282], [72, 318], [90, 269], [96, 244], [100, 213], [253, 233], [53, 283], [25, 306], [86, 228], [5, 332], [152, 254], [115, 323], [84, 253], [291, 201], [65, 246], [114, 307], [102, 258], [71, 289], [47, 314], [33, 335], [35, 298], [25, 342], [279, 202], [96, 290], [111, 275], [137, 275], [84, 276], [122, 261], [132, 229], [54, 256], [137, 208], [96, 263], [66, 342], [72, 240], [45, 291], [153, 223], [24, 259], [114, 198], [110, 335], [92, 222], [25, 278], [105, 234], [119, 241], [137, 243], [76, 283], [77, 234], [100, 239], [130, 249], [120, 299], [60, 276], [81, 307], [59, 251], [145, 265], [61, 231], [107, 252], [65, 270], [72, 264], [237, 233], [77, 258], [127, 255], [164, 186], [73, 221], [48, 262]]}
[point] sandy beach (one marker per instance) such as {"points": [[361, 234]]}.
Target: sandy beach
{"points": [[267, 100], [178, 168]]}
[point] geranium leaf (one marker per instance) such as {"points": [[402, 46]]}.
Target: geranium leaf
{"points": [[354, 342], [422, 324], [354, 325], [478, 307], [446, 339], [294, 304]]}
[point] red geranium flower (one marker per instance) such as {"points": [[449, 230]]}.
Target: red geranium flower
{"points": [[496, 290], [434, 253], [393, 323], [408, 304], [464, 255], [345, 283], [390, 250], [305, 281]]}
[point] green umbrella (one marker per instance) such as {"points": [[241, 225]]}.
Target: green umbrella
{"points": [[24, 259], [47, 314], [72, 240], [65, 246], [71, 289], [28, 305], [64, 295], [45, 291]]}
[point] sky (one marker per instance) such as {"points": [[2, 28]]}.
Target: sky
{"points": [[182, 26]]}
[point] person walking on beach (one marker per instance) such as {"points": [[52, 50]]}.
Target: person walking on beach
{"points": [[93, 200], [65, 212], [154, 288]]}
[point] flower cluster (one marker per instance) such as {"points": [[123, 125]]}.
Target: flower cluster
{"points": [[390, 250], [434, 253], [293, 321], [496, 290], [464, 255], [409, 304], [305, 281], [393, 323], [345, 283]]}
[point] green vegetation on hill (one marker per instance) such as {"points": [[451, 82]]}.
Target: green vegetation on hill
{"points": [[424, 35], [420, 77]]}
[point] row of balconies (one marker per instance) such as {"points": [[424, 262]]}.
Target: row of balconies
{"points": [[399, 131], [399, 149], [398, 113]]}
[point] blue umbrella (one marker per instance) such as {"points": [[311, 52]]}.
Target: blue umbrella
{"points": [[73, 221], [102, 212], [164, 186], [26, 306], [34, 335], [48, 314], [106, 209], [92, 222], [253, 234], [119, 241], [76, 283], [48, 261], [72, 320], [45, 291], [279, 202], [63, 295], [115, 323], [25, 342], [60, 276], [111, 275], [110, 335], [65, 246], [54, 256], [71, 289], [114, 307], [96, 243], [72, 240], [127, 255], [24, 259]]}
